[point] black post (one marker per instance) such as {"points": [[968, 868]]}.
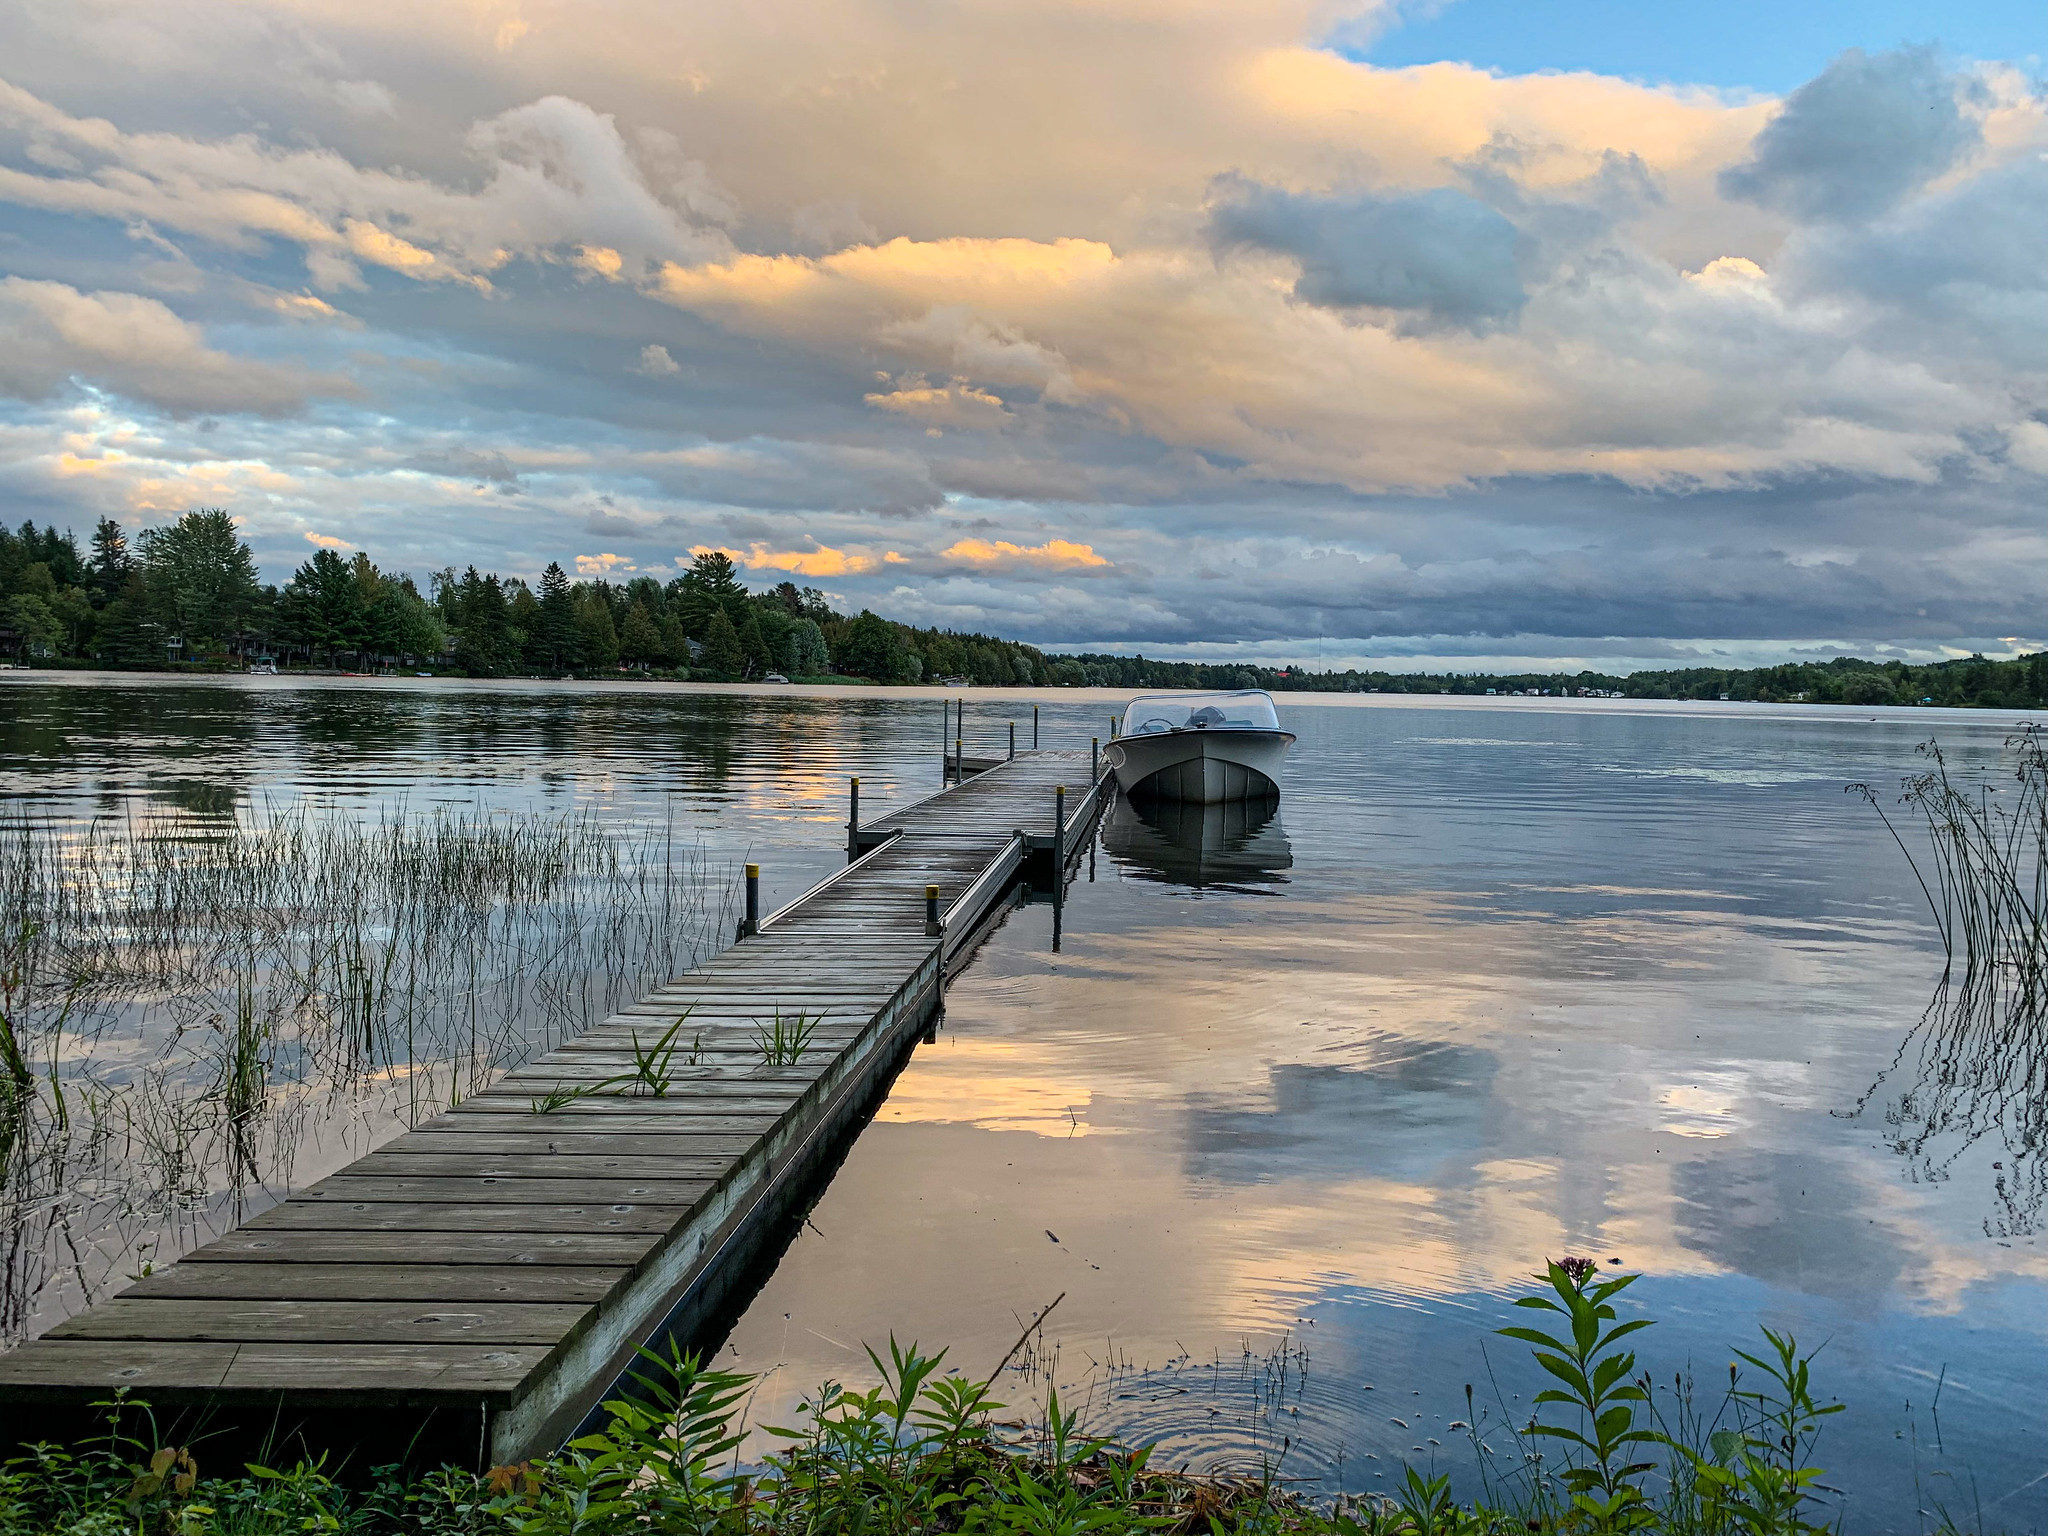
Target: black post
{"points": [[1013, 738], [853, 821], [1112, 727], [1059, 859], [1034, 727], [752, 924], [1059, 840], [931, 911], [945, 724], [1094, 764]]}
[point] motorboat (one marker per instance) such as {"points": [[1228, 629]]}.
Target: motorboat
{"points": [[1202, 748]]}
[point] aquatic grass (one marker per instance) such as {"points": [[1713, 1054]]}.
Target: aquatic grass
{"points": [[191, 1010], [1975, 1067], [1986, 883]]}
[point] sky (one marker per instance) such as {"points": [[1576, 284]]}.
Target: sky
{"points": [[1433, 334]]}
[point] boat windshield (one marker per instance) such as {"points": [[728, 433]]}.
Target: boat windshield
{"points": [[1252, 709]]}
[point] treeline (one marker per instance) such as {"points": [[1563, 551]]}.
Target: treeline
{"points": [[1973, 682], [187, 596]]}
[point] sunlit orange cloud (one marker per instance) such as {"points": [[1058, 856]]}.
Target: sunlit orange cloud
{"points": [[73, 464], [1052, 552], [599, 565], [822, 561], [325, 540]]}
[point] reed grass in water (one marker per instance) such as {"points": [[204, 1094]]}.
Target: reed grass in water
{"points": [[189, 1015], [1974, 1071]]}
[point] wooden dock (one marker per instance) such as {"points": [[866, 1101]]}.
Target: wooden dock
{"points": [[471, 1290]]}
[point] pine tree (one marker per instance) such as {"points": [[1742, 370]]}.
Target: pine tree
{"points": [[722, 654], [112, 564], [754, 646], [554, 641], [596, 637], [640, 638]]}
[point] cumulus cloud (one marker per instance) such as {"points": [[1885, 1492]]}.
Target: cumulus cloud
{"points": [[1275, 337], [959, 404], [823, 560], [1441, 254], [50, 334], [656, 363], [1053, 553], [559, 181], [1860, 135]]}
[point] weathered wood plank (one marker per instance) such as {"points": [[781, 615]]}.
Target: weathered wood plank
{"points": [[427, 1282], [198, 1366], [348, 1185], [450, 1216], [284, 1247], [335, 1322]]}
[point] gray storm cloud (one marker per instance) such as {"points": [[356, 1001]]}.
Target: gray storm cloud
{"points": [[1441, 255], [1860, 135]]}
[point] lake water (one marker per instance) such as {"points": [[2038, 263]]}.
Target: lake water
{"points": [[1298, 1106]]}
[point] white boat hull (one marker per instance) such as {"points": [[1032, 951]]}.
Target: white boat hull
{"points": [[1200, 767]]}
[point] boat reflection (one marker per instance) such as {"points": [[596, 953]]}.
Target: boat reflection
{"points": [[1239, 844]]}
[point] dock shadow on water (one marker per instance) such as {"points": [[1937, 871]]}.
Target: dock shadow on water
{"points": [[198, 1014], [1971, 1078], [1237, 846]]}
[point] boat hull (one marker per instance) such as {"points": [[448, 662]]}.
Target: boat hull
{"points": [[1200, 767]]}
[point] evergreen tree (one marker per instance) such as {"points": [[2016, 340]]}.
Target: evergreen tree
{"points": [[553, 643], [754, 646], [323, 606], [124, 635], [640, 638], [596, 637], [722, 655], [201, 578], [483, 646], [112, 564], [675, 641]]}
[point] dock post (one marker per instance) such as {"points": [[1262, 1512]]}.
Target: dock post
{"points": [[959, 757], [1059, 842], [751, 924], [853, 821], [1112, 727], [1059, 859], [1034, 727], [1094, 760], [932, 926], [945, 730], [1013, 738]]}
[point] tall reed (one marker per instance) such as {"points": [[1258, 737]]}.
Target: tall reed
{"points": [[1976, 1065], [193, 1016]]}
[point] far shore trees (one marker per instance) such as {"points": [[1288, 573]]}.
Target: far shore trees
{"points": [[186, 594]]}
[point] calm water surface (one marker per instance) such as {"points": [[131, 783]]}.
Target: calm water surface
{"points": [[1298, 1105]]}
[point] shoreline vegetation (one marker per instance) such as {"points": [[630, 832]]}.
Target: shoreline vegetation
{"points": [[1608, 1447], [185, 598]]}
